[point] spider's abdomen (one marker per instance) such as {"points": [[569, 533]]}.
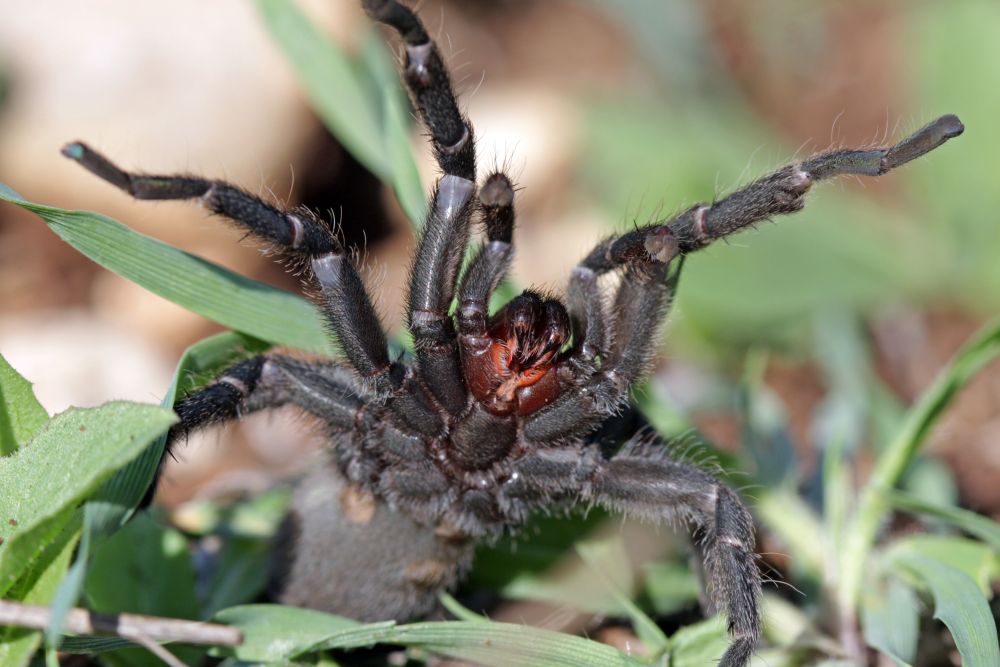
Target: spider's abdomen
{"points": [[341, 550]]}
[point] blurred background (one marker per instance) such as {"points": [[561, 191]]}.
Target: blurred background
{"points": [[608, 114]]}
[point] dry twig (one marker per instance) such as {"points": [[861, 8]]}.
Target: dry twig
{"points": [[136, 627]]}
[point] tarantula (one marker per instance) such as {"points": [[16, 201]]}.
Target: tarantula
{"points": [[494, 417]]}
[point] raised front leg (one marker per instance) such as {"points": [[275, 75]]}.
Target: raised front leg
{"points": [[783, 191], [446, 232], [650, 260], [298, 234]]}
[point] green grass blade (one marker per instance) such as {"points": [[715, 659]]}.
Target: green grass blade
{"points": [[21, 415], [971, 557], [890, 621], [458, 610], [69, 589], [975, 524], [837, 492], [37, 586], [796, 524], [362, 106], [766, 437], [273, 632], [873, 504], [7, 193], [40, 485], [235, 301], [959, 604], [486, 643]]}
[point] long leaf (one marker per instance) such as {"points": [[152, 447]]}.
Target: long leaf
{"points": [[396, 128], [330, 81], [262, 311], [796, 524], [499, 644], [960, 605], [971, 557], [280, 633], [115, 501], [605, 558], [69, 458], [975, 524], [68, 591]]}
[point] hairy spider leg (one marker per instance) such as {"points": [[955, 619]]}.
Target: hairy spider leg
{"points": [[648, 251], [446, 232], [345, 302], [783, 191], [642, 481], [326, 390]]}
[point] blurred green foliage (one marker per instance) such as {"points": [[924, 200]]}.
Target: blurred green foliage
{"points": [[692, 137]]}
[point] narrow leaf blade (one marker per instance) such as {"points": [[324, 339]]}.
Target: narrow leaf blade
{"points": [[487, 643], [396, 126], [200, 286], [920, 419], [890, 621], [362, 105], [66, 461], [975, 524], [273, 633], [960, 605]]}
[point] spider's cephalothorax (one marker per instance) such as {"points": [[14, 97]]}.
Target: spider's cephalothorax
{"points": [[494, 416]]}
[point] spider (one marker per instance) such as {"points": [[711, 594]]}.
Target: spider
{"points": [[495, 415]]}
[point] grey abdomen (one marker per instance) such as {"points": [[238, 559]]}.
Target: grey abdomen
{"points": [[342, 552]]}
